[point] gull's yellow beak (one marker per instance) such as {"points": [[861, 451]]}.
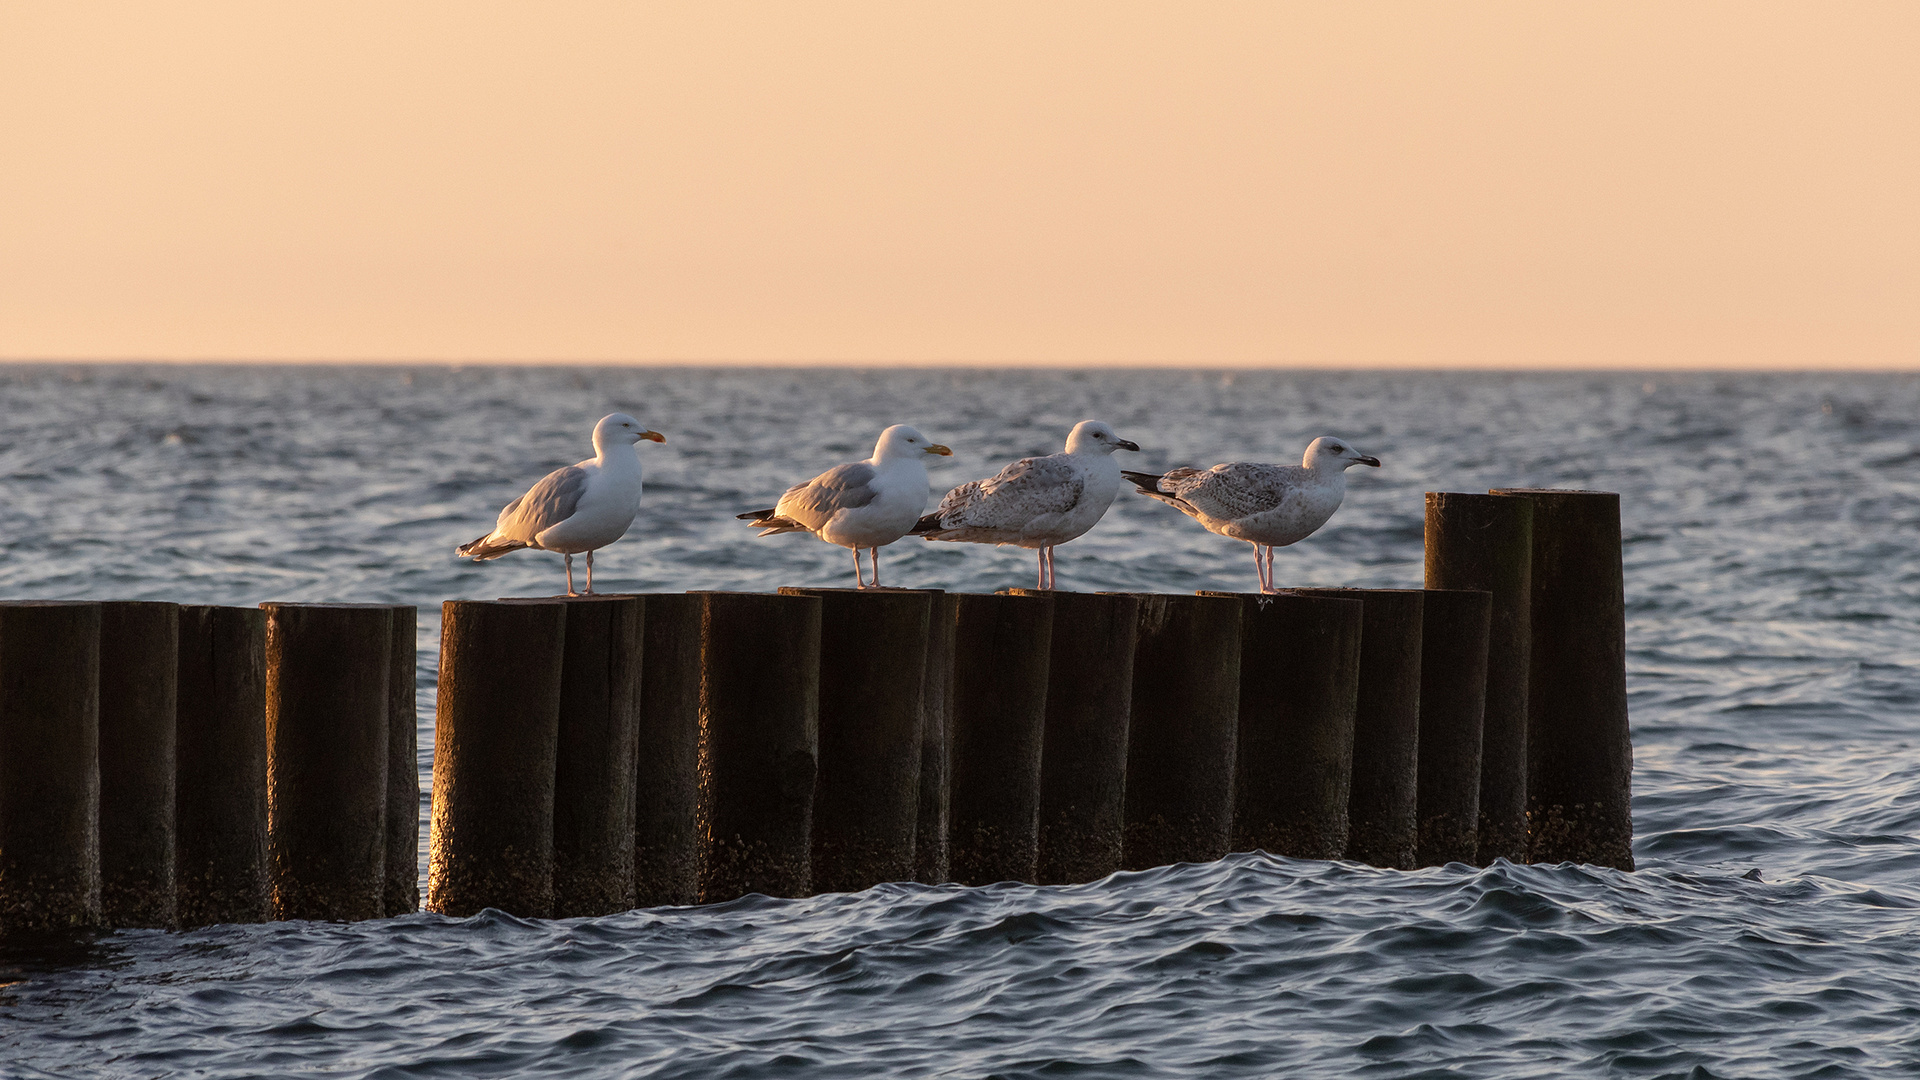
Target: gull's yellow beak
{"points": [[653, 436], [936, 448]]}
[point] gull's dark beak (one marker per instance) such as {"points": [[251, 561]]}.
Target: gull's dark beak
{"points": [[653, 436], [1373, 461], [1127, 444]]}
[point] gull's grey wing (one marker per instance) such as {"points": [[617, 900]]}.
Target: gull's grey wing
{"points": [[546, 504], [843, 487], [1015, 495], [1235, 490]]}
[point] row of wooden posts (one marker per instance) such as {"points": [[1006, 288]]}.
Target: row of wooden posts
{"points": [[179, 766]]}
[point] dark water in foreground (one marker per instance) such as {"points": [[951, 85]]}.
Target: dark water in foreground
{"points": [[1773, 929]]}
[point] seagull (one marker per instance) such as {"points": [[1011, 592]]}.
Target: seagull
{"points": [[862, 504], [1036, 502], [1268, 506], [578, 508]]}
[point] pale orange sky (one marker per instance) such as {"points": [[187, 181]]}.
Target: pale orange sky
{"points": [[1527, 184]]}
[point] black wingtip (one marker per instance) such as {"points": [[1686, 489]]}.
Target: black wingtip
{"points": [[755, 515], [930, 523], [1146, 482]]}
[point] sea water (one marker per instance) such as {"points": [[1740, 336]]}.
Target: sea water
{"points": [[1772, 930]]}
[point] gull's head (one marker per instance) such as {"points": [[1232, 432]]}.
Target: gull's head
{"points": [[1328, 453], [1094, 437], [903, 442], [619, 429]]}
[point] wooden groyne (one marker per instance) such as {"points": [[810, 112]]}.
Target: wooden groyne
{"points": [[170, 766]]}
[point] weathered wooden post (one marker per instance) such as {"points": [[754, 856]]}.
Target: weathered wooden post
{"points": [[1579, 747], [1453, 694], [931, 863], [1185, 720], [667, 841], [220, 750], [1383, 804], [496, 736], [1486, 542], [139, 677], [401, 894], [1299, 689], [759, 706], [594, 755], [998, 709], [1083, 761], [873, 663], [327, 750], [49, 766]]}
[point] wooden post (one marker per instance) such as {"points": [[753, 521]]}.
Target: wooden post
{"points": [[1453, 694], [1486, 542], [220, 787], [598, 739], [667, 841], [931, 856], [759, 706], [873, 663], [1180, 743], [327, 749], [1383, 803], [998, 709], [49, 766], [1083, 761], [401, 894], [139, 680], [1579, 747], [1299, 689], [496, 735]]}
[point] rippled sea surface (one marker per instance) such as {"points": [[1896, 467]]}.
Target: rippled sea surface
{"points": [[1773, 929]]}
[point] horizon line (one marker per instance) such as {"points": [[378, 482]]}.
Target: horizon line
{"points": [[961, 364]]}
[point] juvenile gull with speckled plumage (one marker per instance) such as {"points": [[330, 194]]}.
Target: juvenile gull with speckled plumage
{"points": [[1268, 506], [1036, 502]]}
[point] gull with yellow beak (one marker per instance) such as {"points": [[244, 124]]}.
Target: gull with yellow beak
{"points": [[579, 508], [862, 504]]}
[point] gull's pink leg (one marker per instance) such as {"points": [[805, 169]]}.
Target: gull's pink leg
{"points": [[1052, 583], [859, 574], [570, 591], [589, 573], [874, 554]]}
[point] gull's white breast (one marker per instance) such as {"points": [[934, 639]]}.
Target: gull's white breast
{"points": [[900, 498], [606, 509]]}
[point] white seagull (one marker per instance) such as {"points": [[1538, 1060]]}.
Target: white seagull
{"points": [[1036, 502], [579, 508], [862, 504], [1268, 506]]}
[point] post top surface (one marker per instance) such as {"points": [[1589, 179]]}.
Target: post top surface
{"points": [[1323, 590], [269, 605], [1286, 594], [1550, 491], [48, 603]]}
